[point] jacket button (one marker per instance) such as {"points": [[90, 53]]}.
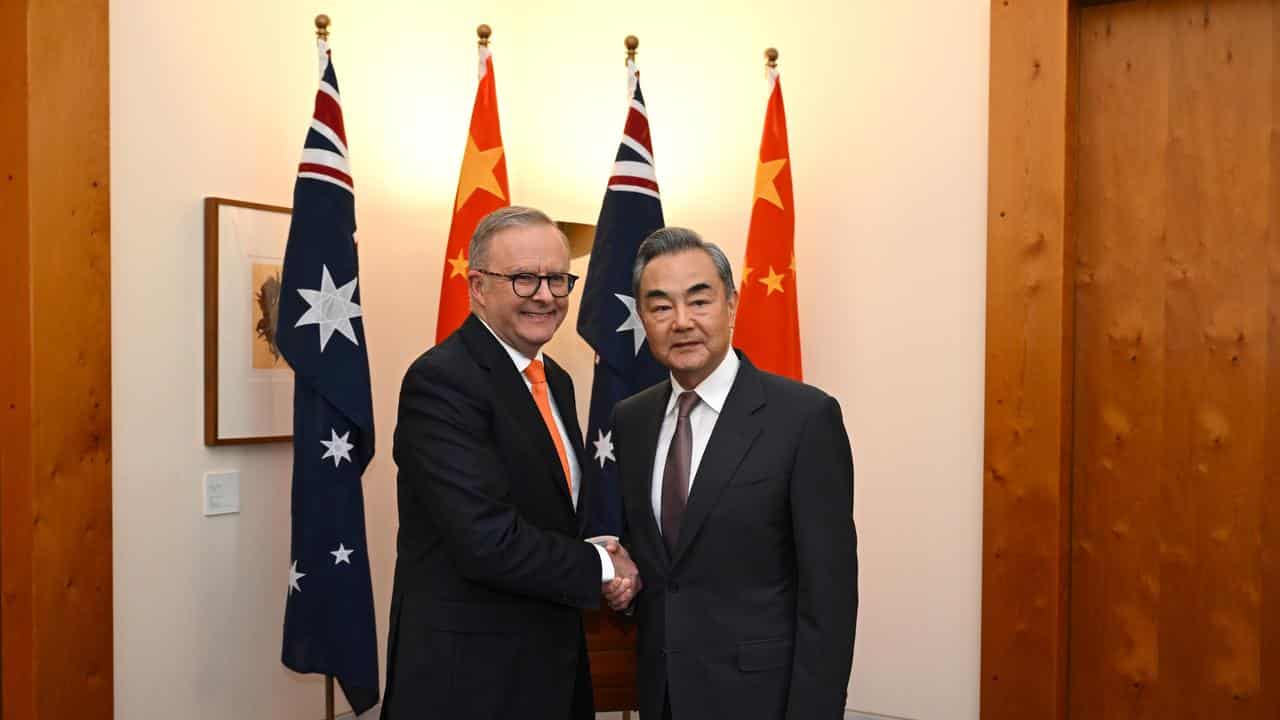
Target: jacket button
{"points": [[673, 587]]}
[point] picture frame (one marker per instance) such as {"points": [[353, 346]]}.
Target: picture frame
{"points": [[248, 387]]}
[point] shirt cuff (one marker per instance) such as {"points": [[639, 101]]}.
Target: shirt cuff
{"points": [[606, 564]]}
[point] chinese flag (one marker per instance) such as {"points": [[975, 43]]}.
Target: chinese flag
{"points": [[767, 327], [482, 188]]}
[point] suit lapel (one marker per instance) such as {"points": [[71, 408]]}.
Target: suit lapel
{"points": [[515, 400], [651, 425], [562, 393], [735, 430], [561, 387]]}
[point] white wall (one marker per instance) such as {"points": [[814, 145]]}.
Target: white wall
{"points": [[887, 111]]}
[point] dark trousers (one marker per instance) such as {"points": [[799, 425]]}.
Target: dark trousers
{"points": [[583, 707]]}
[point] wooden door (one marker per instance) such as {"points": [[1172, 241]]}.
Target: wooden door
{"points": [[1174, 592]]}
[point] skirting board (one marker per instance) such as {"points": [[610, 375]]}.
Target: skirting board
{"points": [[862, 715], [848, 715]]}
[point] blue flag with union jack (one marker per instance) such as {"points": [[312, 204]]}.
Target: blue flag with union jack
{"points": [[608, 319], [328, 617]]}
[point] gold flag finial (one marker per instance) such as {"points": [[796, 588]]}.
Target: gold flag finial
{"points": [[484, 32], [322, 27], [632, 42], [771, 57]]}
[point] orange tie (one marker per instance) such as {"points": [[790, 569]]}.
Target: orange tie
{"points": [[538, 379]]}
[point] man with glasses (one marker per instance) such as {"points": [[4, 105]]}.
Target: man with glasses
{"points": [[491, 573]]}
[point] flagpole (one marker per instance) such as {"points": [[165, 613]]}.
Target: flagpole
{"points": [[632, 43], [328, 697], [322, 35]]}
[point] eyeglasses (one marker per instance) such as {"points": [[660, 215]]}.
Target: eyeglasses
{"points": [[526, 285]]}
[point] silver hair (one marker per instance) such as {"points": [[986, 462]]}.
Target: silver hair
{"points": [[670, 240], [502, 219]]}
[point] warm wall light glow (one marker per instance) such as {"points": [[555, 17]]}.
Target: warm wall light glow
{"points": [[409, 76]]}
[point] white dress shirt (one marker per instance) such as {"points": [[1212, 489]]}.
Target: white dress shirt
{"points": [[575, 470], [712, 392]]}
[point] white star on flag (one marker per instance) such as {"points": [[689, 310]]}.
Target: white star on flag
{"points": [[339, 448], [633, 321], [331, 308], [604, 447], [342, 554], [294, 577]]}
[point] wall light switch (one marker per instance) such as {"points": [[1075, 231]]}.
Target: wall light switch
{"points": [[222, 492]]}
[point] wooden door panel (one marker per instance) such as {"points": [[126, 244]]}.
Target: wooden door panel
{"points": [[1120, 362], [1175, 347]]}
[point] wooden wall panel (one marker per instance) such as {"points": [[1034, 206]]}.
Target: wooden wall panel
{"points": [[56, 521], [15, 373], [1220, 124], [1171, 584], [1174, 431], [1028, 369], [1120, 364], [611, 644], [1269, 636]]}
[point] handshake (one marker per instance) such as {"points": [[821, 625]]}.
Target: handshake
{"points": [[622, 589]]}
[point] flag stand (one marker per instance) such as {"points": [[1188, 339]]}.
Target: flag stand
{"points": [[328, 697]]}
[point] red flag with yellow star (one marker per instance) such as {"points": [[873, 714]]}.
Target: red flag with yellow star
{"points": [[768, 327], [482, 188]]}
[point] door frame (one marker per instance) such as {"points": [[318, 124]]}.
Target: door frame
{"points": [[1029, 353]]}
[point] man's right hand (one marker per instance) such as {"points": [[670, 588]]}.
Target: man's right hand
{"points": [[626, 578]]}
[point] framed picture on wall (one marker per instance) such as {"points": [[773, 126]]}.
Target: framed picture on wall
{"points": [[248, 386]]}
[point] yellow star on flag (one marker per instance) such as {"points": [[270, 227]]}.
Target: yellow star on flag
{"points": [[793, 262], [766, 190], [772, 282], [746, 273], [460, 264], [477, 172]]}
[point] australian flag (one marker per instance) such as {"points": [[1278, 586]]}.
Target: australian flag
{"points": [[609, 320], [328, 617]]}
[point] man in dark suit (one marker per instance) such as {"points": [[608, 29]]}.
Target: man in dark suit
{"points": [[738, 497], [491, 573]]}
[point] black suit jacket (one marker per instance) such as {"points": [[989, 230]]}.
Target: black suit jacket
{"points": [[491, 573], [753, 616]]}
